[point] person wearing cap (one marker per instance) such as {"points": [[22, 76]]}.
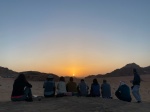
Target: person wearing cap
{"points": [[136, 86], [49, 87], [123, 92], [106, 90]]}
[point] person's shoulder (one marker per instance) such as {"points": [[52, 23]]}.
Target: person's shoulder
{"points": [[74, 82]]}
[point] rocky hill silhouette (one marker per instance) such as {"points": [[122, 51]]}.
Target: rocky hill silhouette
{"points": [[30, 75], [127, 70], [35, 75], [7, 73]]}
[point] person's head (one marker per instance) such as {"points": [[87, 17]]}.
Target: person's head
{"points": [[82, 80], [104, 81], [134, 70], [71, 79], [62, 79], [122, 83], [50, 77], [21, 77], [95, 81]]}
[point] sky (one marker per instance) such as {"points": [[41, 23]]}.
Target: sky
{"points": [[80, 37]]}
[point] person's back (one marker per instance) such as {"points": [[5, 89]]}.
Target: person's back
{"points": [[106, 90], [71, 86], [18, 87], [49, 87], [21, 89], [61, 86], [123, 93], [95, 89], [83, 88]]}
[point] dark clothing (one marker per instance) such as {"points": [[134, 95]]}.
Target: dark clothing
{"points": [[71, 87], [19, 86], [95, 90], [106, 90], [26, 97], [49, 88], [123, 93], [137, 79], [83, 89], [136, 86]]}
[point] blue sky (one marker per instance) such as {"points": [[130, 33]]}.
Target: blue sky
{"points": [[78, 37]]}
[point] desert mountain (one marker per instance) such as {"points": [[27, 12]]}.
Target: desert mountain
{"points": [[5, 72], [34, 75], [31, 75], [127, 70]]}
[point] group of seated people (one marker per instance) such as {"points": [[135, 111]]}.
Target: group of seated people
{"points": [[22, 89]]}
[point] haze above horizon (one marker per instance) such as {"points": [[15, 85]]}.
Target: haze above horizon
{"points": [[77, 37]]}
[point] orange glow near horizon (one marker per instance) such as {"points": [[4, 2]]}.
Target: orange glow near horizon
{"points": [[78, 71]]}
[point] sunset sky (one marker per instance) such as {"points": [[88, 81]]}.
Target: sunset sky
{"points": [[79, 37]]}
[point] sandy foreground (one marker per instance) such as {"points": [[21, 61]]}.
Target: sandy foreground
{"points": [[74, 104]]}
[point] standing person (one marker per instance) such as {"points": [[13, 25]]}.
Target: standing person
{"points": [[106, 90], [123, 92], [136, 86], [95, 89], [82, 88], [21, 89], [72, 86], [49, 87], [61, 87]]}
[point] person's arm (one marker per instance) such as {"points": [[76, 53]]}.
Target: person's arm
{"points": [[44, 85], [28, 84], [67, 87], [54, 87]]}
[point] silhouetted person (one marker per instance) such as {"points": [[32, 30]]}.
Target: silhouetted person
{"points": [[83, 88], [72, 86], [49, 87], [136, 86], [61, 87], [106, 90], [95, 89], [21, 89], [123, 92]]}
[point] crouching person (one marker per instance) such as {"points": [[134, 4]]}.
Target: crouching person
{"points": [[49, 87], [123, 92], [21, 89]]}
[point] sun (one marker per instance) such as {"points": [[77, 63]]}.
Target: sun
{"points": [[73, 75]]}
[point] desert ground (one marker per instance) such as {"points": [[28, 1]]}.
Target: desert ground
{"points": [[74, 103]]}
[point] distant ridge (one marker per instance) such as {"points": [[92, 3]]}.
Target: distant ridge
{"points": [[127, 70], [31, 75], [35, 75], [7, 73]]}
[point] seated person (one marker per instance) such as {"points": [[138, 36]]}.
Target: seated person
{"points": [[95, 89], [106, 90], [123, 92], [71, 87], [82, 88], [21, 89], [61, 87], [49, 87]]}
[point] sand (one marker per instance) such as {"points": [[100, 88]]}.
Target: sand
{"points": [[75, 104]]}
